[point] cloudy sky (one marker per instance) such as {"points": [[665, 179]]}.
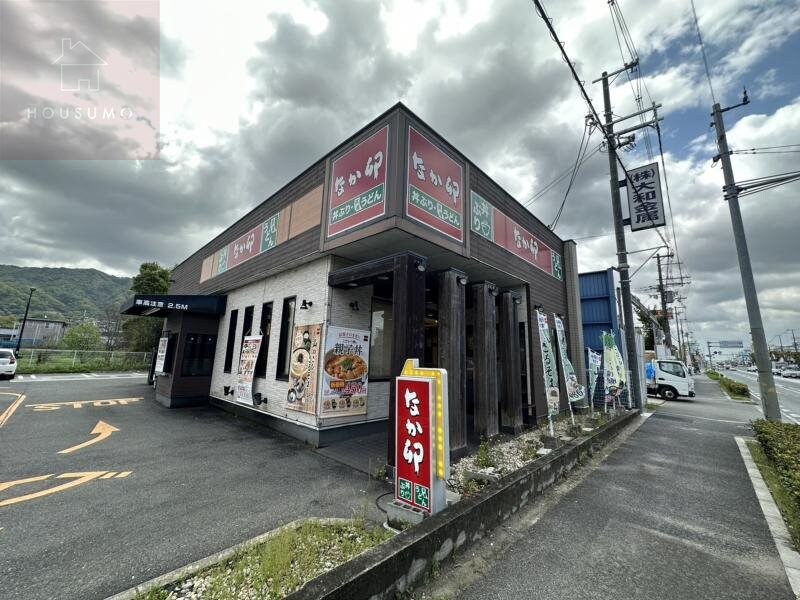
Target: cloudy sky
{"points": [[233, 99]]}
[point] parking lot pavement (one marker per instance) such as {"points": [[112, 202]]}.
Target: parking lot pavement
{"points": [[101, 488]]}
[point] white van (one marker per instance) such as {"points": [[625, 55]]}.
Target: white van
{"points": [[669, 379]]}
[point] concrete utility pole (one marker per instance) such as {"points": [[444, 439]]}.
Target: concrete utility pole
{"points": [[622, 253], [24, 319], [663, 293], [766, 382]]}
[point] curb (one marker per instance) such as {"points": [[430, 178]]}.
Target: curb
{"points": [[193, 568], [780, 534], [394, 566]]}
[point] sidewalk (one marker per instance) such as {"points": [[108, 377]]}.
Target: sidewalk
{"points": [[669, 515]]}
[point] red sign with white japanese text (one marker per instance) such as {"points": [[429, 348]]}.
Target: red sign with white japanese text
{"points": [[245, 247], [357, 191], [521, 242], [435, 194], [414, 435]]}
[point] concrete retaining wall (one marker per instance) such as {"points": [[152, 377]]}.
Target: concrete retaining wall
{"points": [[393, 567]]}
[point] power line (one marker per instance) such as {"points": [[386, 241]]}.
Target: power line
{"points": [[558, 179], [703, 50], [581, 153]]}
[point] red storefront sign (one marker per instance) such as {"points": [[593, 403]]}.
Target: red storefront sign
{"points": [[357, 190], [521, 242], [435, 194], [245, 247], [414, 435]]}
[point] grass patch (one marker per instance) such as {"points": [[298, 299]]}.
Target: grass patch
{"points": [[711, 374], [651, 406], [736, 389], [282, 564], [790, 511], [94, 366]]}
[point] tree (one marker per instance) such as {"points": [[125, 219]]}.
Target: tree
{"points": [[142, 333], [152, 279], [647, 327], [85, 336]]}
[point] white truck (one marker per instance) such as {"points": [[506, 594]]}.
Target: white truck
{"points": [[669, 378]]}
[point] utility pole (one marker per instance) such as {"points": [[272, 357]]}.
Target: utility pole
{"points": [[710, 356], [680, 333], [766, 382], [662, 292], [622, 253], [24, 319], [794, 340]]}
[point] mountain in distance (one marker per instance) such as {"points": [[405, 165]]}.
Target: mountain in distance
{"points": [[61, 293]]}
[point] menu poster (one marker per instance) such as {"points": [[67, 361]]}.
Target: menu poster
{"points": [[303, 368], [247, 368], [345, 375]]}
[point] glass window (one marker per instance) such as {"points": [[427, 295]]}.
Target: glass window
{"points": [[672, 368], [198, 355], [247, 325], [287, 325], [230, 341], [266, 327], [381, 336]]}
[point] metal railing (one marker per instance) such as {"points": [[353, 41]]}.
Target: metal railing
{"points": [[91, 359]]}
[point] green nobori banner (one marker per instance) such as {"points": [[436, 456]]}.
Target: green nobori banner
{"points": [[357, 205], [575, 390], [549, 368]]}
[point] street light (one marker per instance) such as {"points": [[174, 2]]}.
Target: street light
{"points": [[25, 318]]}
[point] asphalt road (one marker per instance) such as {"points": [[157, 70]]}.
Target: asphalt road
{"points": [[671, 515], [788, 392], [161, 489]]}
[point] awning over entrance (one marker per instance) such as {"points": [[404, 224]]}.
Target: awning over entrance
{"points": [[158, 305]]}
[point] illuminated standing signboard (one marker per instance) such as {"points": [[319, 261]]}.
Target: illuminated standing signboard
{"points": [[357, 189], [435, 194], [422, 439]]}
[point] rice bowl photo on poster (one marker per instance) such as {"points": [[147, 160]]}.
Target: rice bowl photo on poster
{"points": [[345, 374], [303, 367]]}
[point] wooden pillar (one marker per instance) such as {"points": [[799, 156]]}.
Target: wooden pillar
{"points": [[453, 354], [485, 359], [510, 370], [408, 315], [535, 372]]}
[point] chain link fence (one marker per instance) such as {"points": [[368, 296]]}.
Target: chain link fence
{"points": [[81, 361]]}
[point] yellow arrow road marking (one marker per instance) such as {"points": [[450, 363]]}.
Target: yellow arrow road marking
{"points": [[10, 410], [77, 479], [102, 430]]}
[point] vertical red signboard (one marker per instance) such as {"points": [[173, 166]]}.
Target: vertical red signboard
{"points": [[435, 194], [357, 190], [414, 434]]}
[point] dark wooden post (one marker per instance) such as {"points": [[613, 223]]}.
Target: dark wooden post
{"points": [[485, 358], [408, 316], [453, 354], [538, 401], [510, 370]]}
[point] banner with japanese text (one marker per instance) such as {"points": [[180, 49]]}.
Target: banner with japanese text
{"points": [[595, 361], [303, 368], [575, 391], [345, 378], [357, 190], [247, 368], [435, 187], [549, 368], [161, 354], [614, 369]]}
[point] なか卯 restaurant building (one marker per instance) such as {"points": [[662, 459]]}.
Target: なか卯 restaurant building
{"points": [[392, 246]]}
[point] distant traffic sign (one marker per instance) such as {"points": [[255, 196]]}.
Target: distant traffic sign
{"points": [[731, 344]]}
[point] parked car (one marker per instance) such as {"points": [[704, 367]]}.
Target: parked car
{"points": [[791, 372], [752, 369], [776, 371], [669, 379], [8, 364]]}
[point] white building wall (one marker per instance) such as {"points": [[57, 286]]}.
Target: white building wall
{"points": [[331, 305]]}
